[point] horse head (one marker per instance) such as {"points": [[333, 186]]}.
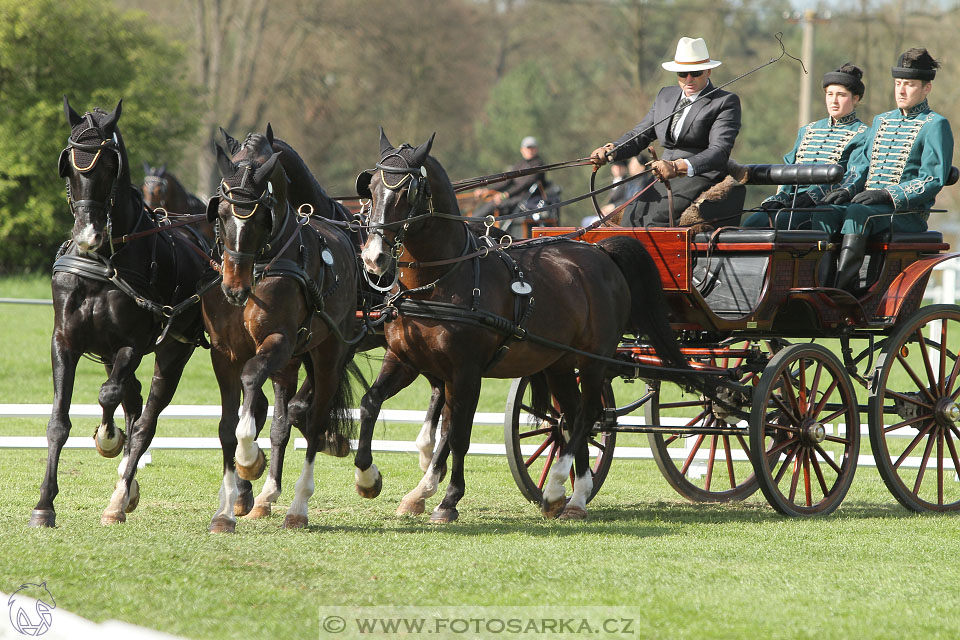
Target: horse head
{"points": [[156, 184], [250, 208], [399, 188], [94, 164]]}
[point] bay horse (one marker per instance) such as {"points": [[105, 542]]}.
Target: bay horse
{"points": [[462, 320], [162, 190], [288, 295], [116, 301]]}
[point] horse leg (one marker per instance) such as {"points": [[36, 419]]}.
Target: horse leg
{"points": [[273, 353], [64, 364], [168, 367], [461, 402], [109, 439], [563, 387], [426, 439], [224, 520], [591, 404], [245, 501], [394, 376], [284, 386]]}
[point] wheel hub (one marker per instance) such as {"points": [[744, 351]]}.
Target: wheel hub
{"points": [[812, 432], [946, 412]]}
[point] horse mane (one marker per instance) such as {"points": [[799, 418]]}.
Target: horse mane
{"points": [[304, 186]]}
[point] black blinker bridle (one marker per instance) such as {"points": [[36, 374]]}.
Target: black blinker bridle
{"points": [[266, 198]]}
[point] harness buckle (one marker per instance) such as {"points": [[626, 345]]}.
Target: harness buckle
{"points": [[304, 213], [506, 242]]}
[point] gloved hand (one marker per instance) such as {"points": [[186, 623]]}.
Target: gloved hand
{"points": [[665, 169], [837, 196], [873, 196], [599, 155], [804, 201], [771, 205]]}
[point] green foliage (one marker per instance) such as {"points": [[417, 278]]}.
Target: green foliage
{"points": [[95, 55]]}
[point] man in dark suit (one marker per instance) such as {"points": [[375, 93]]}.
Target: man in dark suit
{"points": [[695, 123]]}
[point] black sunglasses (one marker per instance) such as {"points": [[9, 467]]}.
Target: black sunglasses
{"points": [[692, 74]]}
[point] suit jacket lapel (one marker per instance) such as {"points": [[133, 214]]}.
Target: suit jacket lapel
{"points": [[695, 109], [668, 104]]}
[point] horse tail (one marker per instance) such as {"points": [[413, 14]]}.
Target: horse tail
{"points": [[341, 424], [648, 305]]}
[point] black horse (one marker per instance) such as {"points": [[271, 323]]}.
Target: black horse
{"points": [[116, 301], [539, 311]]}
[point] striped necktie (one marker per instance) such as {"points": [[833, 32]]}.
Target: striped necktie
{"points": [[678, 113]]}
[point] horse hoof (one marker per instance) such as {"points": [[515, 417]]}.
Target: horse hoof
{"points": [[443, 516], [374, 491], [134, 497], [259, 511], [112, 517], [336, 445], [573, 513], [43, 518], [222, 524], [115, 450], [551, 510], [411, 507], [294, 522], [243, 505], [254, 471]]}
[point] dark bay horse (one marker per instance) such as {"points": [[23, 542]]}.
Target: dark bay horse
{"points": [[288, 295], [162, 190], [116, 302], [570, 293]]}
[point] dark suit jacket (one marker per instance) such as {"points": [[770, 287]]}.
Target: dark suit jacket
{"points": [[706, 137]]}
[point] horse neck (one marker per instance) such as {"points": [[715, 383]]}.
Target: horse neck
{"points": [[304, 186]]}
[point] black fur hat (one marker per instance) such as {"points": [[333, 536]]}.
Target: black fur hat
{"points": [[916, 64], [849, 76]]}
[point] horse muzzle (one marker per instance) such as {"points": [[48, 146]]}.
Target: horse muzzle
{"points": [[375, 259], [236, 296]]}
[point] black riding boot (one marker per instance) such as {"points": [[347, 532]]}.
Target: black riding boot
{"points": [[851, 257]]}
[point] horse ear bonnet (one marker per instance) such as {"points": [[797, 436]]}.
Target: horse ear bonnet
{"points": [[363, 184], [85, 133]]}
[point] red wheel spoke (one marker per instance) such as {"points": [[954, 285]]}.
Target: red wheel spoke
{"points": [[808, 492], [803, 400], [790, 393], [815, 384], [779, 447], [926, 359], [923, 466], [528, 409], [786, 463], [797, 464], [713, 454], [915, 377], [546, 467], [788, 412], [953, 374], [833, 416], [905, 423], [703, 414], [830, 461], [599, 445], [743, 443], [729, 453], [693, 452], [943, 356], [837, 439], [535, 432], [910, 399], [820, 478], [910, 447], [953, 452], [536, 454], [668, 441]]}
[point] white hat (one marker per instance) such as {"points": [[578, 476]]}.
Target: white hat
{"points": [[529, 141], [691, 55]]}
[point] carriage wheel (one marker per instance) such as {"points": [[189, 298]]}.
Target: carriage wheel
{"points": [[713, 468], [804, 393], [522, 427], [917, 384]]}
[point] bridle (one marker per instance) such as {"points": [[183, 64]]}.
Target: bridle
{"points": [[158, 183], [251, 202], [69, 154], [414, 181]]}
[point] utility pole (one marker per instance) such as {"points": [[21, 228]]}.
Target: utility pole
{"points": [[807, 20]]}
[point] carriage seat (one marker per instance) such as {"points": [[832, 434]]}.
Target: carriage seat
{"points": [[925, 237]]}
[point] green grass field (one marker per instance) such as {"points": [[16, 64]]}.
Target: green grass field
{"points": [[871, 570]]}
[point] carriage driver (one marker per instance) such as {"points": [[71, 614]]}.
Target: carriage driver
{"points": [[833, 140], [697, 139], [892, 182]]}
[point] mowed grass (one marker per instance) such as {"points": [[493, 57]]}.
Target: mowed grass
{"points": [[684, 570]]}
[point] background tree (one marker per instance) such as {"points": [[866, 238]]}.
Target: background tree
{"points": [[96, 55]]}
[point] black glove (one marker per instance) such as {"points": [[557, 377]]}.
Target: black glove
{"points": [[873, 196], [771, 205], [837, 196], [804, 201]]}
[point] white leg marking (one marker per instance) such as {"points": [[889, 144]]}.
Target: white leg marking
{"points": [[581, 491], [122, 467], [302, 492], [269, 493], [247, 449], [426, 440], [426, 488], [120, 497], [228, 496], [368, 478], [554, 489], [107, 443]]}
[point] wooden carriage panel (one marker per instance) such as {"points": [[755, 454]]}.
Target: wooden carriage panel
{"points": [[669, 248], [905, 293]]}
